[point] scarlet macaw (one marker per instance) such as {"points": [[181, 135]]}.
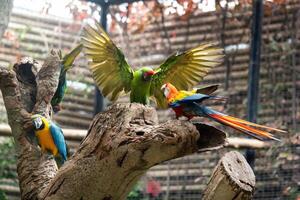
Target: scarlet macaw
{"points": [[50, 136], [189, 104], [113, 74], [66, 64]]}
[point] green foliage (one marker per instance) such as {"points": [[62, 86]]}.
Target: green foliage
{"points": [[7, 159], [2, 195], [136, 193]]}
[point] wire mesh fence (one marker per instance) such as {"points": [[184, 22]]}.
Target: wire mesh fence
{"points": [[148, 32], [230, 25]]}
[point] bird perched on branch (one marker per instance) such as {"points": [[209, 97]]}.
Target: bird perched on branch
{"points": [[66, 64], [113, 74], [189, 104], [50, 136]]}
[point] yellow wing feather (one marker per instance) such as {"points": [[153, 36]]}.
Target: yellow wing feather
{"points": [[185, 70], [110, 70]]}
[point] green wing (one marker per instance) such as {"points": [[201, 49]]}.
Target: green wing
{"points": [[68, 59], [185, 70], [66, 64], [108, 65]]}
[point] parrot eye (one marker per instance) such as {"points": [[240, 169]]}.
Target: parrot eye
{"points": [[146, 76]]}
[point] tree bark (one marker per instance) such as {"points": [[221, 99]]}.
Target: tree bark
{"points": [[120, 146], [232, 179]]}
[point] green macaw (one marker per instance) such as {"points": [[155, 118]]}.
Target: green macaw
{"points": [[113, 74], [66, 64]]}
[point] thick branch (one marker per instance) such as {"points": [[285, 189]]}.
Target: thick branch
{"points": [[12, 101], [47, 81], [19, 88], [26, 71], [233, 178], [120, 146]]}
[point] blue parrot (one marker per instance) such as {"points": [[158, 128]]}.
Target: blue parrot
{"points": [[50, 136]]}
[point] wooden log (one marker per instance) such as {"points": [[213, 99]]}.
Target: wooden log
{"points": [[246, 142], [79, 134], [232, 179]]}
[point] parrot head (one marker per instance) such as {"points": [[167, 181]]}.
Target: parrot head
{"points": [[147, 73], [37, 122], [169, 90]]}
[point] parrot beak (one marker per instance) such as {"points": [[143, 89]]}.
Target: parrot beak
{"points": [[163, 87], [165, 90], [148, 75], [151, 73]]}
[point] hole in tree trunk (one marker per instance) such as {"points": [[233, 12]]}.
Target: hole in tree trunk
{"points": [[140, 133]]}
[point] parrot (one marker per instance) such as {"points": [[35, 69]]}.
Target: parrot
{"points": [[50, 136], [114, 76], [66, 64], [189, 104]]}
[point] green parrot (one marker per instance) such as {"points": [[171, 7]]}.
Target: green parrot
{"points": [[113, 75], [66, 64]]}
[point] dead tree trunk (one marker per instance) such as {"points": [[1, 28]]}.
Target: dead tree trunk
{"points": [[120, 146], [233, 178]]}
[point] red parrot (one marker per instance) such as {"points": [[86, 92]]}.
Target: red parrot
{"points": [[189, 104]]}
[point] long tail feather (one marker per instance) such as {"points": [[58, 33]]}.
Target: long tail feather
{"points": [[256, 125], [241, 125], [230, 121]]}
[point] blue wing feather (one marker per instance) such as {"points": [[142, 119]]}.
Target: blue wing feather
{"points": [[194, 98], [198, 98], [59, 140]]}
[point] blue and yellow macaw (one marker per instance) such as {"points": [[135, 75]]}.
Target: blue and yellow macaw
{"points": [[189, 104], [50, 136]]}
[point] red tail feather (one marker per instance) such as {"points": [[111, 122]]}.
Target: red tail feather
{"points": [[242, 125]]}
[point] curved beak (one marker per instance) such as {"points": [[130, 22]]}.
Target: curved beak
{"points": [[151, 73], [163, 86]]}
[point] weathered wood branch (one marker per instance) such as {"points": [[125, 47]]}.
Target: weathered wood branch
{"points": [[233, 178], [239, 143], [19, 87], [120, 146]]}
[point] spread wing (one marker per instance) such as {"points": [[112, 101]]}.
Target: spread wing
{"points": [[59, 140], [185, 70], [108, 65]]}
